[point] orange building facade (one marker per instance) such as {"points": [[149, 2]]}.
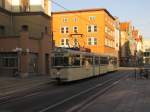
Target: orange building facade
{"points": [[88, 28]]}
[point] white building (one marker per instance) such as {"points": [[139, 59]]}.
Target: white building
{"points": [[27, 5], [146, 57], [117, 36], [146, 45]]}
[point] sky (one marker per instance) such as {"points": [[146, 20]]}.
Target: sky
{"points": [[136, 11]]}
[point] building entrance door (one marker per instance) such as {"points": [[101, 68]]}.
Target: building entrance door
{"points": [[47, 64]]}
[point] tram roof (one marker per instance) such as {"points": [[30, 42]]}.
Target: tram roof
{"points": [[73, 51]]}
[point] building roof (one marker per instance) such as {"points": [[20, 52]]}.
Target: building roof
{"points": [[124, 26], [135, 34], [84, 10], [23, 13]]}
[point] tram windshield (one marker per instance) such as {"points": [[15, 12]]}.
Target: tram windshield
{"points": [[66, 61], [60, 61]]}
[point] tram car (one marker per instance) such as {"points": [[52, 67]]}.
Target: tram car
{"points": [[71, 65]]}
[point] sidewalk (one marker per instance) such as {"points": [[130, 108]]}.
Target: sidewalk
{"points": [[129, 95], [10, 85]]}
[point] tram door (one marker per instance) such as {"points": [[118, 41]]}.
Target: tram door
{"points": [[93, 65]]}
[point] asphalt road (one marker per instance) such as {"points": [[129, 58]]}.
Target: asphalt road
{"points": [[63, 98]]}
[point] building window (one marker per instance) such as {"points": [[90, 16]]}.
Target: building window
{"points": [[95, 28], [106, 41], [2, 30], [106, 29], [89, 41], [92, 17], [67, 30], [109, 43], [25, 5], [67, 42], [64, 29], [89, 29], [64, 42], [65, 20], [8, 60], [45, 4], [75, 19], [92, 41], [2, 3], [75, 42], [106, 19], [95, 41], [92, 28], [24, 27], [75, 29], [46, 29]]}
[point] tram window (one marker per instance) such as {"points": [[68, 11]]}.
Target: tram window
{"points": [[104, 60], [75, 61], [115, 61], [96, 61], [60, 61], [89, 59], [66, 61], [57, 61], [111, 60]]}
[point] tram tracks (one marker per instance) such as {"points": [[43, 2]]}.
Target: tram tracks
{"points": [[80, 107], [105, 86], [55, 97]]}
